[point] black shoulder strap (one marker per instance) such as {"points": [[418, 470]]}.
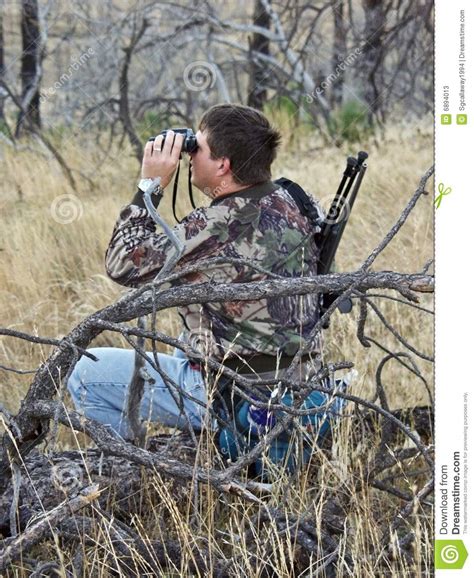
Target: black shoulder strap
{"points": [[301, 199]]}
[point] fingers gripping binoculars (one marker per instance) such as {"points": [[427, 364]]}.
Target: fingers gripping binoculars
{"points": [[189, 143], [189, 146]]}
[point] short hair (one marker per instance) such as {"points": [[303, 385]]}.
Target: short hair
{"points": [[245, 136]]}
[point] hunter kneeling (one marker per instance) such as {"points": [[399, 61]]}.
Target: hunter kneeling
{"points": [[250, 217]]}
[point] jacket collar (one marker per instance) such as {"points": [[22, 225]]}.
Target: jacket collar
{"points": [[252, 192]]}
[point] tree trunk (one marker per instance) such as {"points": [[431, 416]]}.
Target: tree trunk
{"points": [[339, 53], [30, 65], [2, 69], [257, 94], [373, 55]]}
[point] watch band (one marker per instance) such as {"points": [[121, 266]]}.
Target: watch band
{"points": [[143, 185]]}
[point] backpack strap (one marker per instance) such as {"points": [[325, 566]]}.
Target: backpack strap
{"points": [[301, 199]]}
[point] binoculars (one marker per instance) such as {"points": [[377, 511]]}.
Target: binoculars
{"points": [[189, 142]]}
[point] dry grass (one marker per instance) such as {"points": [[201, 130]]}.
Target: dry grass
{"points": [[52, 275]]}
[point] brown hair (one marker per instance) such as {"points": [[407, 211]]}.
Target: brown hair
{"points": [[244, 135]]}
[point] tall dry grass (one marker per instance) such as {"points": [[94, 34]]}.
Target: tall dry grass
{"points": [[52, 276]]}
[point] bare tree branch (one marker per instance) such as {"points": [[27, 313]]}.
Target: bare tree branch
{"points": [[14, 548]]}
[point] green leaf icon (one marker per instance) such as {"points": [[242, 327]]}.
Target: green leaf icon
{"points": [[450, 554]]}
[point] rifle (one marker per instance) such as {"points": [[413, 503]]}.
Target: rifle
{"points": [[336, 221]]}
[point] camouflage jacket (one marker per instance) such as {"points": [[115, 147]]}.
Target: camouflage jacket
{"points": [[261, 223]]}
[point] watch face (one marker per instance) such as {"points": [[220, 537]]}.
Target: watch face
{"points": [[144, 184]]}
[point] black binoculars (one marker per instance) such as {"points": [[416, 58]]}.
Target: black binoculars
{"points": [[189, 142]]}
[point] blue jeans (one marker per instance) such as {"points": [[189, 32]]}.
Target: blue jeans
{"points": [[99, 389]]}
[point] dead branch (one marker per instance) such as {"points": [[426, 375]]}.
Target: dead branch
{"points": [[15, 547], [399, 224], [136, 389], [124, 107], [61, 343], [397, 335], [129, 307], [112, 444], [37, 132], [152, 553]]}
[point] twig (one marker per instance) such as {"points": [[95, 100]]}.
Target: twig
{"points": [[34, 129], [380, 485], [401, 220], [414, 369], [397, 335], [34, 533], [16, 483], [19, 371], [392, 298], [65, 342], [363, 310], [136, 389], [45, 568], [142, 302], [402, 516]]}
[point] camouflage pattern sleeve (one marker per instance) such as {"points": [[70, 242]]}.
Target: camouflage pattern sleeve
{"points": [[137, 252]]}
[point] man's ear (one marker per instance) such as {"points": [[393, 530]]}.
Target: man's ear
{"points": [[224, 167]]}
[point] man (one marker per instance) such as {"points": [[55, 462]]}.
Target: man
{"points": [[249, 217]]}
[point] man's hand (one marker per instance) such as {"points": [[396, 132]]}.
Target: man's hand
{"points": [[162, 163]]}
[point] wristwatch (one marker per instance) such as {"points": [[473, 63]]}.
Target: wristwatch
{"points": [[144, 184]]}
